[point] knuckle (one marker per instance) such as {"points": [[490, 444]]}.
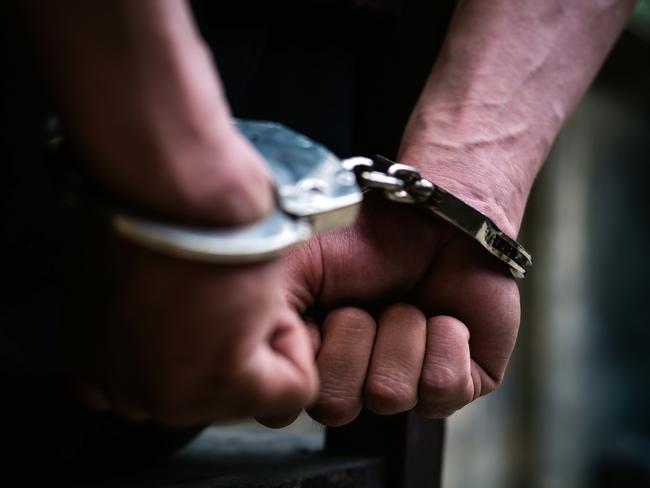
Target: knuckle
{"points": [[442, 392], [440, 381], [389, 394], [335, 410]]}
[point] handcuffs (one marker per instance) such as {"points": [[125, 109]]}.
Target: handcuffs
{"points": [[315, 192]]}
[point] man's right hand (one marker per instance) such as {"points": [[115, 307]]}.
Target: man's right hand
{"points": [[174, 341], [186, 343], [152, 336], [181, 342]]}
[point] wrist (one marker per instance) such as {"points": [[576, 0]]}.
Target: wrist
{"points": [[172, 149], [489, 173], [212, 177], [140, 99]]}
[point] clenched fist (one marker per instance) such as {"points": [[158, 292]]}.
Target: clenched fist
{"points": [[411, 314]]}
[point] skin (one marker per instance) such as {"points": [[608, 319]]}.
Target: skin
{"points": [[413, 315], [150, 336], [405, 313]]}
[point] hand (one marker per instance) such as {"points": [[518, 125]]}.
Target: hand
{"points": [[150, 336], [183, 343], [414, 315]]}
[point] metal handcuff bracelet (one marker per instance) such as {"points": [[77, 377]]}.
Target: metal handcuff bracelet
{"points": [[315, 192]]}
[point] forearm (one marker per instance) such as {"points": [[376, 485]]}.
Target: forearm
{"points": [[508, 77], [136, 89]]}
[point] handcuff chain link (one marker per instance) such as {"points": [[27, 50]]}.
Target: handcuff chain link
{"points": [[404, 184], [400, 183]]}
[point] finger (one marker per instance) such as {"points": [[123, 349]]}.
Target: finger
{"points": [[397, 358], [283, 378], [272, 380], [278, 421], [488, 306], [275, 422], [446, 381], [348, 335], [286, 418]]}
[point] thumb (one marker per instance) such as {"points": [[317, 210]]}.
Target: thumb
{"points": [[282, 374]]}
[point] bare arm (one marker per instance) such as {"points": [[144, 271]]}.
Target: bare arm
{"points": [[509, 75], [137, 89], [151, 336]]}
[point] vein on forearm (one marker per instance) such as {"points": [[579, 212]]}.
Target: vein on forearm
{"points": [[509, 75]]}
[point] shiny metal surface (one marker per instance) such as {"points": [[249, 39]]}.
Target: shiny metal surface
{"points": [[258, 242], [404, 184], [310, 180], [315, 193]]}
